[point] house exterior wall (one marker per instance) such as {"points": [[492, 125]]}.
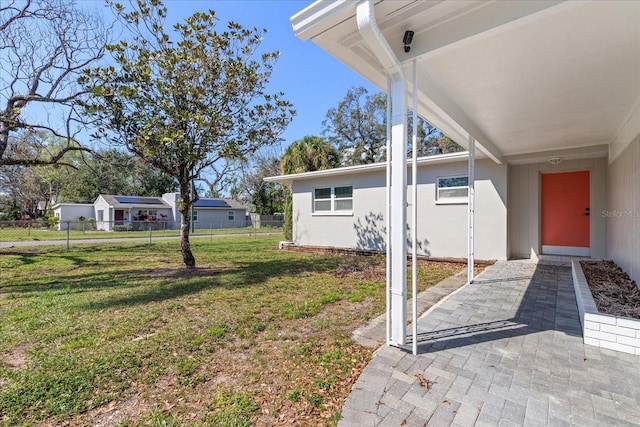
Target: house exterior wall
{"points": [[171, 199], [442, 228], [107, 224], [524, 205], [622, 211], [71, 212], [219, 218]]}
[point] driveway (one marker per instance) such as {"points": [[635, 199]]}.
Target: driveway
{"points": [[506, 350]]}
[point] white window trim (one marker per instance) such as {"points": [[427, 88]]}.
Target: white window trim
{"points": [[231, 213], [195, 214], [452, 200], [329, 213], [332, 211]]}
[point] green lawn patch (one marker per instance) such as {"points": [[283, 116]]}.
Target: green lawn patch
{"points": [[21, 234], [122, 332]]}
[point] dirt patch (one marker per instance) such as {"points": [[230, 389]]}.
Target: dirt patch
{"points": [[612, 289], [373, 267], [16, 358], [362, 267], [116, 412]]}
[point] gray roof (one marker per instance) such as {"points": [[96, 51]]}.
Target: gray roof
{"points": [[118, 201], [212, 203], [140, 202]]}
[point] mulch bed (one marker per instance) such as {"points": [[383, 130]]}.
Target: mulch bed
{"points": [[612, 289]]}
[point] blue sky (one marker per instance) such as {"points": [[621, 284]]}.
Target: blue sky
{"points": [[311, 79]]}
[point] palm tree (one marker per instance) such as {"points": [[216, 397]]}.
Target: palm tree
{"points": [[311, 153]]}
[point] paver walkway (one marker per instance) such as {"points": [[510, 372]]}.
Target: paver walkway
{"points": [[506, 350]]}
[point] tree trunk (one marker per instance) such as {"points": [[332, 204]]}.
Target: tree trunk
{"points": [[185, 227], [185, 246]]}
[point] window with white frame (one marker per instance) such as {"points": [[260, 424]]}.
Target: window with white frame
{"points": [[194, 217], [453, 189], [333, 199], [231, 216], [100, 214]]}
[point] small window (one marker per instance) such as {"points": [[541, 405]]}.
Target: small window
{"points": [[101, 215], [453, 189], [333, 199], [194, 216], [232, 216], [322, 199]]}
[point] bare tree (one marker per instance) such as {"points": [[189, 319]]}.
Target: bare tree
{"points": [[44, 45], [222, 176]]}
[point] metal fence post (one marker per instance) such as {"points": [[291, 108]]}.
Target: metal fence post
{"points": [[150, 232], [29, 228], [211, 231], [68, 231]]}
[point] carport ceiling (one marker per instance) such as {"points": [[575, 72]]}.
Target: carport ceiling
{"points": [[520, 76]]}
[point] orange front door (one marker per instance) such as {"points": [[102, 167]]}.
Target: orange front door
{"points": [[565, 213]]}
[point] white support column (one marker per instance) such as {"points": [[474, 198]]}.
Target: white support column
{"points": [[397, 215], [399, 212], [414, 212], [388, 211], [472, 193]]}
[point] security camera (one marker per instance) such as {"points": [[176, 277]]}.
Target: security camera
{"points": [[407, 39]]}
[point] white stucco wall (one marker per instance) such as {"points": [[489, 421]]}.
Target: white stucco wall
{"points": [[107, 224], [171, 199], [524, 205], [71, 212], [442, 228], [219, 218], [623, 209]]}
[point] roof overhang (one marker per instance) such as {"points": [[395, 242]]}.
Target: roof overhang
{"points": [[519, 77], [372, 167], [141, 206]]}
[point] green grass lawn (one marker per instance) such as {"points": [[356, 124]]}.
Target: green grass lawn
{"points": [[123, 335], [19, 234]]}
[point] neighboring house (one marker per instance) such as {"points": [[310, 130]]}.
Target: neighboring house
{"points": [[111, 211], [213, 213], [547, 93]]}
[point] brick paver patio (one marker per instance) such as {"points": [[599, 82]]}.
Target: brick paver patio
{"points": [[504, 351]]}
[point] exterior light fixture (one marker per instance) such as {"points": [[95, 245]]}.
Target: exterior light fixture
{"points": [[406, 40], [555, 160]]}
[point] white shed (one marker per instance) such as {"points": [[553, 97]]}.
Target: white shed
{"points": [[71, 212]]}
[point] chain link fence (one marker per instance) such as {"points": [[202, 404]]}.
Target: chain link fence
{"points": [[42, 232]]}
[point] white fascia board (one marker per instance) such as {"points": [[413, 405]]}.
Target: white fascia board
{"points": [[71, 204], [438, 159], [320, 16]]}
